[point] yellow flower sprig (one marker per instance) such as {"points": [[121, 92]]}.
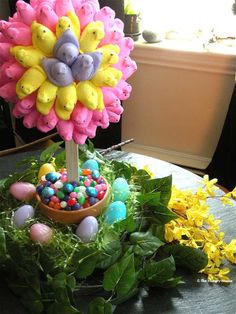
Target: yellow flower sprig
{"points": [[197, 227]]}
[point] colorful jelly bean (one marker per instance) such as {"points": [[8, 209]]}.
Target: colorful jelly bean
{"points": [[68, 187], [91, 191], [56, 192], [58, 184], [47, 192]]}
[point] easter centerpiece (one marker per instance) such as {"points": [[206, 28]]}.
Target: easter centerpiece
{"points": [[72, 221]]}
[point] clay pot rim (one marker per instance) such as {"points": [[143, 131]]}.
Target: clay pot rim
{"points": [[67, 212]]}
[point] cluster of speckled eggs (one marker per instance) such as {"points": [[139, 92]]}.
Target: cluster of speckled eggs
{"points": [[57, 192]]}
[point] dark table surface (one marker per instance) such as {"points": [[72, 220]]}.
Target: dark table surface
{"points": [[196, 295]]}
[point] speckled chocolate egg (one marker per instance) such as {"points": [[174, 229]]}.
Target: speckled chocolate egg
{"points": [[87, 229], [22, 191], [22, 214]]}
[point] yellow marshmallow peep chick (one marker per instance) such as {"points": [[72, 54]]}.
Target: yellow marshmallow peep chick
{"points": [[75, 23], [66, 100], [91, 36], [43, 38], [70, 22], [27, 56], [30, 81], [110, 54], [90, 95], [107, 77], [46, 96]]}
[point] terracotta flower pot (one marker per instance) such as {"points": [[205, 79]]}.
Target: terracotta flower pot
{"points": [[75, 216]]}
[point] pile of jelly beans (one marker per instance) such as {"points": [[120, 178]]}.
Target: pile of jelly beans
{"points": [[55, 191]]}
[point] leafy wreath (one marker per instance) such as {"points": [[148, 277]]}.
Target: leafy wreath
{"points": [[132, 253]]}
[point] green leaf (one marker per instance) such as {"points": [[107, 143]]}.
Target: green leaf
{"points": [[35, 306], [172, 282], [162, 214], [122, 169], [100, 306], [133, 291], [86, 268], [90, 146], [60, 308], [2, 183], [145, 243], [110, 248], [60, 159], [87, 261], [3, 249], [149, 198], [127, 224], [162, 185], [59, 281], [71, 282], [47, 154], [120, 276], [109, 255], [158, 230], [157, 273], [191, 258], [62, 285]]}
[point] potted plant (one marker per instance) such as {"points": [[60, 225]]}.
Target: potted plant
{"points": [[132, 19]]}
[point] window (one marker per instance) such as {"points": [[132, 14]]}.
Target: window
{"points": [[189, 18]]}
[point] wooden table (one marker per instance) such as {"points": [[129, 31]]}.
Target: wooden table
{"points": [[196, 295]]}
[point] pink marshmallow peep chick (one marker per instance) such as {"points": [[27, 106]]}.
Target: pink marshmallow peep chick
{"points": [[5, 54], [107, 16], [65, 129], [81, 116], [62, 7], [79, 137], [16, 32], [30, 119], [14, 71], [101, 118], [127, 66], [126, 45], [25, 12], [8, 92], [47, 16], [85, 14], [48, 122]]}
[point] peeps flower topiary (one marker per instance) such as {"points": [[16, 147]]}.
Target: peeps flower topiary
{"points": [[64, 64]]}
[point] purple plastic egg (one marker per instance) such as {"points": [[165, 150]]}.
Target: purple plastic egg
{"points": [[41, 233], [22, 214], [87, 229], [22, 191]]}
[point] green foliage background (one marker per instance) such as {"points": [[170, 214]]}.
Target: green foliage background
{"points": [[124, 257]]}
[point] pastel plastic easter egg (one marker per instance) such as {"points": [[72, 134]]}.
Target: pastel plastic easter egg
{"points": [[115, 212], [87, 229], [41, 233], [22, 214], [120, 189], [44, 169], [22, 191], [90, 164]]}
